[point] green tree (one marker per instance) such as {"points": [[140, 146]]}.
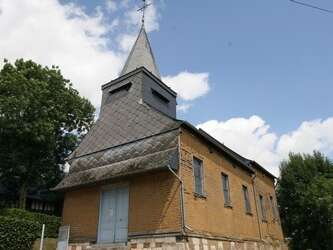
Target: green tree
{"points": [[305, 194], [42, 118]]}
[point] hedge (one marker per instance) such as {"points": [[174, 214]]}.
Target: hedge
{"points": [[52, 223], [17, 234]]}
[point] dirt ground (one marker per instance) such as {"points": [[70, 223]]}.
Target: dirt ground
{"points": [[49, 244]]}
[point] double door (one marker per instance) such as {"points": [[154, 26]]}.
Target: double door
{"points": [[113, 218]]}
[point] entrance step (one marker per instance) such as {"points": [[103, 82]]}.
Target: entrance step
{"points": [[116, 246]]}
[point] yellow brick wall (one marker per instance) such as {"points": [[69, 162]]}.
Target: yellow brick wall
{"points": [[155, 203], [208, 214], [265, 186], [154, 206], [80, 211], [154, 200]]}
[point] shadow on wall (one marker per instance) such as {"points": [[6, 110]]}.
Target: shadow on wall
{"points": [[154, 204]]}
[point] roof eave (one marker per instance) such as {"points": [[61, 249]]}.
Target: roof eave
{"points": [[258, 166], [250, 166], [218, 145], [120, 176]]}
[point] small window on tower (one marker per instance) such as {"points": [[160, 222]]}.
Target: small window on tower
{"points": [[161, 98], [116, 93]]}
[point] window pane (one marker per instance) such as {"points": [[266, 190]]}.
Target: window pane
{"points": [[226, 191], [273, 207], [246, 200], [197, 168], [262, 207]]}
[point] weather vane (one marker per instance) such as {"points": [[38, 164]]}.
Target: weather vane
{"points": [[143, 9]]}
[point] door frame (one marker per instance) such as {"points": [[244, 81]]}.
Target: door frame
{"points": [[108, 188]]}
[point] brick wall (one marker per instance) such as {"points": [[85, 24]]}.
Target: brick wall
{"points": [[154, 201], [207, 214], [154, 207], [271, 227], [154, 204], [81, 213]]}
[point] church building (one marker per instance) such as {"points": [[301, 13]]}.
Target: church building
{"points": [[143, 179]]}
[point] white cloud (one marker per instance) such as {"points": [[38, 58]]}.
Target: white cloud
{"points": [[133, 17], [188, 86], [251, 138], [183, 107], [51, 33], [311, 135], [126, 41], [111, 5], [132, 21]]}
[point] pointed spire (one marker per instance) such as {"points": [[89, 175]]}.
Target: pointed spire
{"points": [[141, 55]]}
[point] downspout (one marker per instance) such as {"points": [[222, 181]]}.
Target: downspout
{"points": [[256, 205], [181, 199], [182, 206]]}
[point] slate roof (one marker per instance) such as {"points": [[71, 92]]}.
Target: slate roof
{"points": [[124, 120], [130, 136], [141, 55], [146, 154]]}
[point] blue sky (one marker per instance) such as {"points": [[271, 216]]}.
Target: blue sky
{"points": [[270, 58], [268, 64]]}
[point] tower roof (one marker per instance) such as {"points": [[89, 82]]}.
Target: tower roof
{"points": [[141, 55]]}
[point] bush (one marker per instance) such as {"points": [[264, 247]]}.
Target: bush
{"points": [[17, 234], [52, 223]]}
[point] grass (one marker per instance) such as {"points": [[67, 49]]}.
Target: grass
{"points": [[49, 244]]}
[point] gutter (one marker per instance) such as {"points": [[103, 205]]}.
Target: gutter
{"points": [[245, 163]]}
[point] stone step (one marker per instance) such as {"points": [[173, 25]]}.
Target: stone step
{"points": [[108, 247]]}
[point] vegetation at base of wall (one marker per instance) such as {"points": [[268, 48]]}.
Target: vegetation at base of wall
{"points": [[305, 195], [17, 234], [52, 223]]}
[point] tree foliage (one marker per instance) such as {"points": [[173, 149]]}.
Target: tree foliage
{"points": [[305, 194], [42, 117]]}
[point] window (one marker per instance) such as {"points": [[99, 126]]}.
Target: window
{"points": [[126, 87], [161, 98], [273, 206], [246, 200], [198, 173], [226, 191], [262, 207], [117, 92]]}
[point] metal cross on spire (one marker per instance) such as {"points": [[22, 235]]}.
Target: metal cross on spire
{"points": [[143, 9]]}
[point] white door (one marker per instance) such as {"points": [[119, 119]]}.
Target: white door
{"points": [[113, 219]]}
